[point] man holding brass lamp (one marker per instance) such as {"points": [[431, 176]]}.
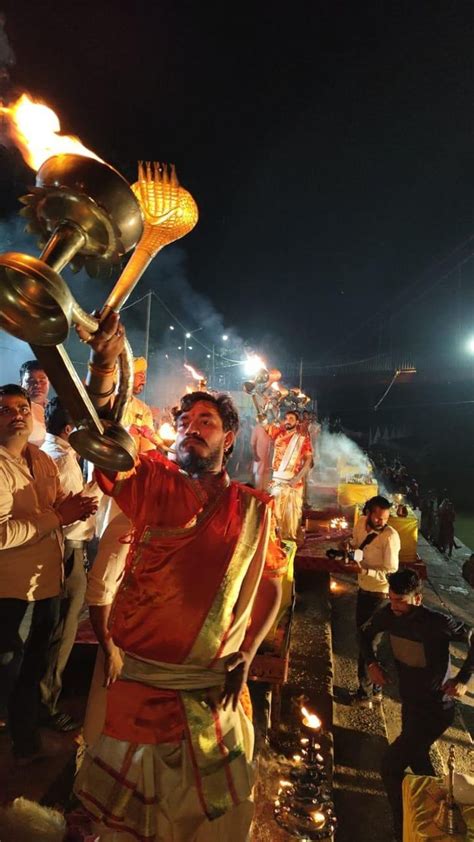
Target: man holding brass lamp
{"points": [[200, 591], [292, 461]]}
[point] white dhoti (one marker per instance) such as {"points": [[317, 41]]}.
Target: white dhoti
{"points": [[178, 815], [165, 792], [288, 508]]}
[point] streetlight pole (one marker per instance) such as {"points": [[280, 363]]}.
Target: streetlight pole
{"points": [[147, 325], [147, 332]]}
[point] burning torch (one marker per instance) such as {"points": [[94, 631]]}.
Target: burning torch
{"points": [[259, 385], [199, 379], [86, 214]]}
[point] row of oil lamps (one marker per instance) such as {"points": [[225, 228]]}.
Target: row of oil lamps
{"points": [[303, 806]]}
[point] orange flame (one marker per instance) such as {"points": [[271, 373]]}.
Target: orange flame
{"points": [[318, 818], [167, 432], [35, 129], [195, 375], [310, 719], [253, 364]]}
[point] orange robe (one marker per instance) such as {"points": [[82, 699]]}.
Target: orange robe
{"points": [[186, 599], [281, 439], [178, 563]]}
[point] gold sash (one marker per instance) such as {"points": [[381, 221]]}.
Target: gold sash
{"points": [[291, 457], [220, 741]]}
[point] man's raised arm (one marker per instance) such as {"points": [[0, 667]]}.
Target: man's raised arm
{"points": [[106, 346]]}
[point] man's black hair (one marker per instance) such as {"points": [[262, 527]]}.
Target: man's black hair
{"points": [[377, 502], [292, 412], [56, 417], [224, 406], [30, 365], [12, 389], [406, 581]]}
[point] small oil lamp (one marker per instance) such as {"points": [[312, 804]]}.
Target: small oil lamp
{"points": [[167, 433], [338, 524], [303, 806], [319, 819], [312, 724]]}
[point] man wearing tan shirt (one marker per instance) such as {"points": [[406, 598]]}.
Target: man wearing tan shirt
{"points": [[33, 509]]}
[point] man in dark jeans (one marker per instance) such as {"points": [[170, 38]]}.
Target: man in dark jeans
{"points": [[29, 658], [33, 510], [380, 547], [420, 639]]}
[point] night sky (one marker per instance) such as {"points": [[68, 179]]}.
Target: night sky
{"points": [[328, 145]]}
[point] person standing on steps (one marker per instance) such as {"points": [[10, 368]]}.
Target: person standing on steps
{"points": [[380, 544], [420, 638]]}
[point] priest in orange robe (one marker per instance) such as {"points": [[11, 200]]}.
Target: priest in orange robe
{"points": [[292, 460], [201, 590]]}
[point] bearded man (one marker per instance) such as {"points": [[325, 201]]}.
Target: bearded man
{"points": [[201, 590], [292, 460], [380, 545]]}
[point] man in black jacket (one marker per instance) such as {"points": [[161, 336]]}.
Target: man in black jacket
{"points": [[420, 639]]}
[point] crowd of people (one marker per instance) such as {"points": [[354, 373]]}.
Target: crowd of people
{"points": [[175, 537], [437, 511], [168, 728], [389, 600]]}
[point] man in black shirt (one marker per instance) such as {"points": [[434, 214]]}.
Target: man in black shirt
{"points": [[420, 639]]}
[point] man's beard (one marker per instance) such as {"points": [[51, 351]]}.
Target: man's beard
{"points": [[191, 462]]}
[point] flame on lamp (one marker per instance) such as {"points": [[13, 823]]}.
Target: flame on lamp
{"points": [[310, 720], [319, 819], [35, 129], [253, 364], [194, 374], [339, 523], [167, 433]]}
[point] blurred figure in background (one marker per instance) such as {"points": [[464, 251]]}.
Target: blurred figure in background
{"points": [[262, 447], [35, 382], [59, 426], [446, 520]]}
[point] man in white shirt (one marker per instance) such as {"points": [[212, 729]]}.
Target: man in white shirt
{"points": [[35, 382], [59, 426], [33, 509], [380, 544]]}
